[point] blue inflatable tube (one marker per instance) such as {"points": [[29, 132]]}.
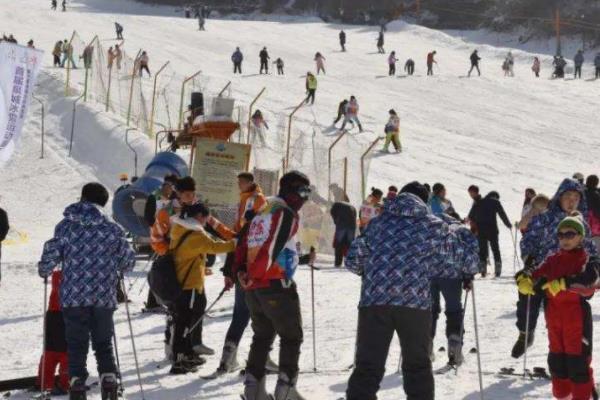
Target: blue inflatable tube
{"points": [[129, 204]]}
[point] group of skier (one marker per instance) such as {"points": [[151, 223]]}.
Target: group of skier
{"points": [[54, 5]]}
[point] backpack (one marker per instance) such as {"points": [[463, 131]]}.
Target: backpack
{"points": [[162, 277]]}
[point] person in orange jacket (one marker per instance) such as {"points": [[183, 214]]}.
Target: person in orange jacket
{"points": [[55, 345]]}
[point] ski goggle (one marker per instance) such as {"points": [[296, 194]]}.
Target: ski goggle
{"points": [[567, 235], [304, 192]]}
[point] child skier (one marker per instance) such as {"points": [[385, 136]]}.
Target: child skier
{"points": [[55, 345], [320, 60], [392, 63], [279, 64], [567, 282]]}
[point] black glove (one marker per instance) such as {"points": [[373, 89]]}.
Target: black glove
{"points": [[467, 282], [529, 263]]}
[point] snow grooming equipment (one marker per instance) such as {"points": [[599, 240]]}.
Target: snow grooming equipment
{"points": [[477, 344], [44, 395], [188, 331], [526, 336], [314, 332], [137, 365]]}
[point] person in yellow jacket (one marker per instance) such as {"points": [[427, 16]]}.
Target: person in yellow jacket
{"points": [[311, 87], [190, 244]]}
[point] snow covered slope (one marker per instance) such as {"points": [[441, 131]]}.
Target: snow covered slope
{"points": [[501, 133]]}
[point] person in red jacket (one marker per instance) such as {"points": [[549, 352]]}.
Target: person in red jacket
{"points": [[568, 313], [55, 345]]}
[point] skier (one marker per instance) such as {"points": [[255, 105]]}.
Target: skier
{"points": [[264, 60], [67, 51], [279, 64], [392, 63], [475, 63], [380, 42], [430, 61], [311, 87], [485, 218], [597, 65], [118, 56], [536, 67], [370, 208], [567, 280], [190, 243], [539, 241], [270, 258], [55, 345], [559, 64], [64, 5], [201, 22], [237, 57], [439, 204], [592, 197], [4, 228], [344, 219], [342, 112], [143, 63], [578, 61], [343, 40], [476, 197], [395, 295], [409, 66], [510, 65], [258, 123], [53, 5], [187, 11], [119, 30], [392, 132], [351, 114], [56, 52], [88, 306], [320, 60], [87, 55]]}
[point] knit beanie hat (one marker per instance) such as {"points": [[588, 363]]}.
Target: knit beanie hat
{"points": [[573, 221]]}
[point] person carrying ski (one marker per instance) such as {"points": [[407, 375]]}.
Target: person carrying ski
{"points": [[56, 52], [119, 30], [88, 289], [55, 345], [536, 67], [392, 132], [311, 88], [143, 63], [4, 228], [578, 61], [343, 40], [395, 294], [380, 42], [392, 63], [597, 65], [266, 259], [567, 278], [351, 114], [264, 60], [475, 63], [237, 57], [370, 208], [320, 61], [430, 61], [539, 241], [485, 218], [342, 112], [279, 64], [409, 67], [592, 197], [344, 218]]}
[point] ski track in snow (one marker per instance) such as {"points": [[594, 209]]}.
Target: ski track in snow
{"points": [[500, 133]]}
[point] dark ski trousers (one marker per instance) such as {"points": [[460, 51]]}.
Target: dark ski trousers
{"points": [[597, 72], [264, 64], [343, 46], [240, 318], [376, 327], [534, 311], [429, 69], [341, 243], [392, 69], [56, 60], [311, 96], [275, 311], [237, 67], [410, 69], [188, 309], [144, 68], [578, 71], [451, 290], [81, 323], [279, 70], [485, 238], [474, 66]]}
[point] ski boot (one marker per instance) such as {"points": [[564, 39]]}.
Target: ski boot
{"points": [[519, 347], [109, 387], [182, 366], [203, 350], [455, 355], [229, 361], [286, 388], [255, 389], [78, 390], [497, 269]]}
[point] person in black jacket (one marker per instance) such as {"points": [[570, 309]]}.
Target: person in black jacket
{"points": [[343, 40], [484, 215], [264, 60], [342, 112], [344, 217], [475, 62], [592, 197], [474, 194], [4, 227]]}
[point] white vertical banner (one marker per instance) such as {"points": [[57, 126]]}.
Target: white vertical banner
{"points": [[19, 67]]}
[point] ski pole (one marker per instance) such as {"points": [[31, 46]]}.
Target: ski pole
{"points": [[150, 260], [477, 344], [137, 365], [462, 326], [201, 318], [526, 335], [43, 377], [314, 332], [121, 388]]}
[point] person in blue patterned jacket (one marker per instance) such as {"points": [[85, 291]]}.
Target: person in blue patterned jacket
{"points": [[395, 296], [92, 252], [539, 241]]}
